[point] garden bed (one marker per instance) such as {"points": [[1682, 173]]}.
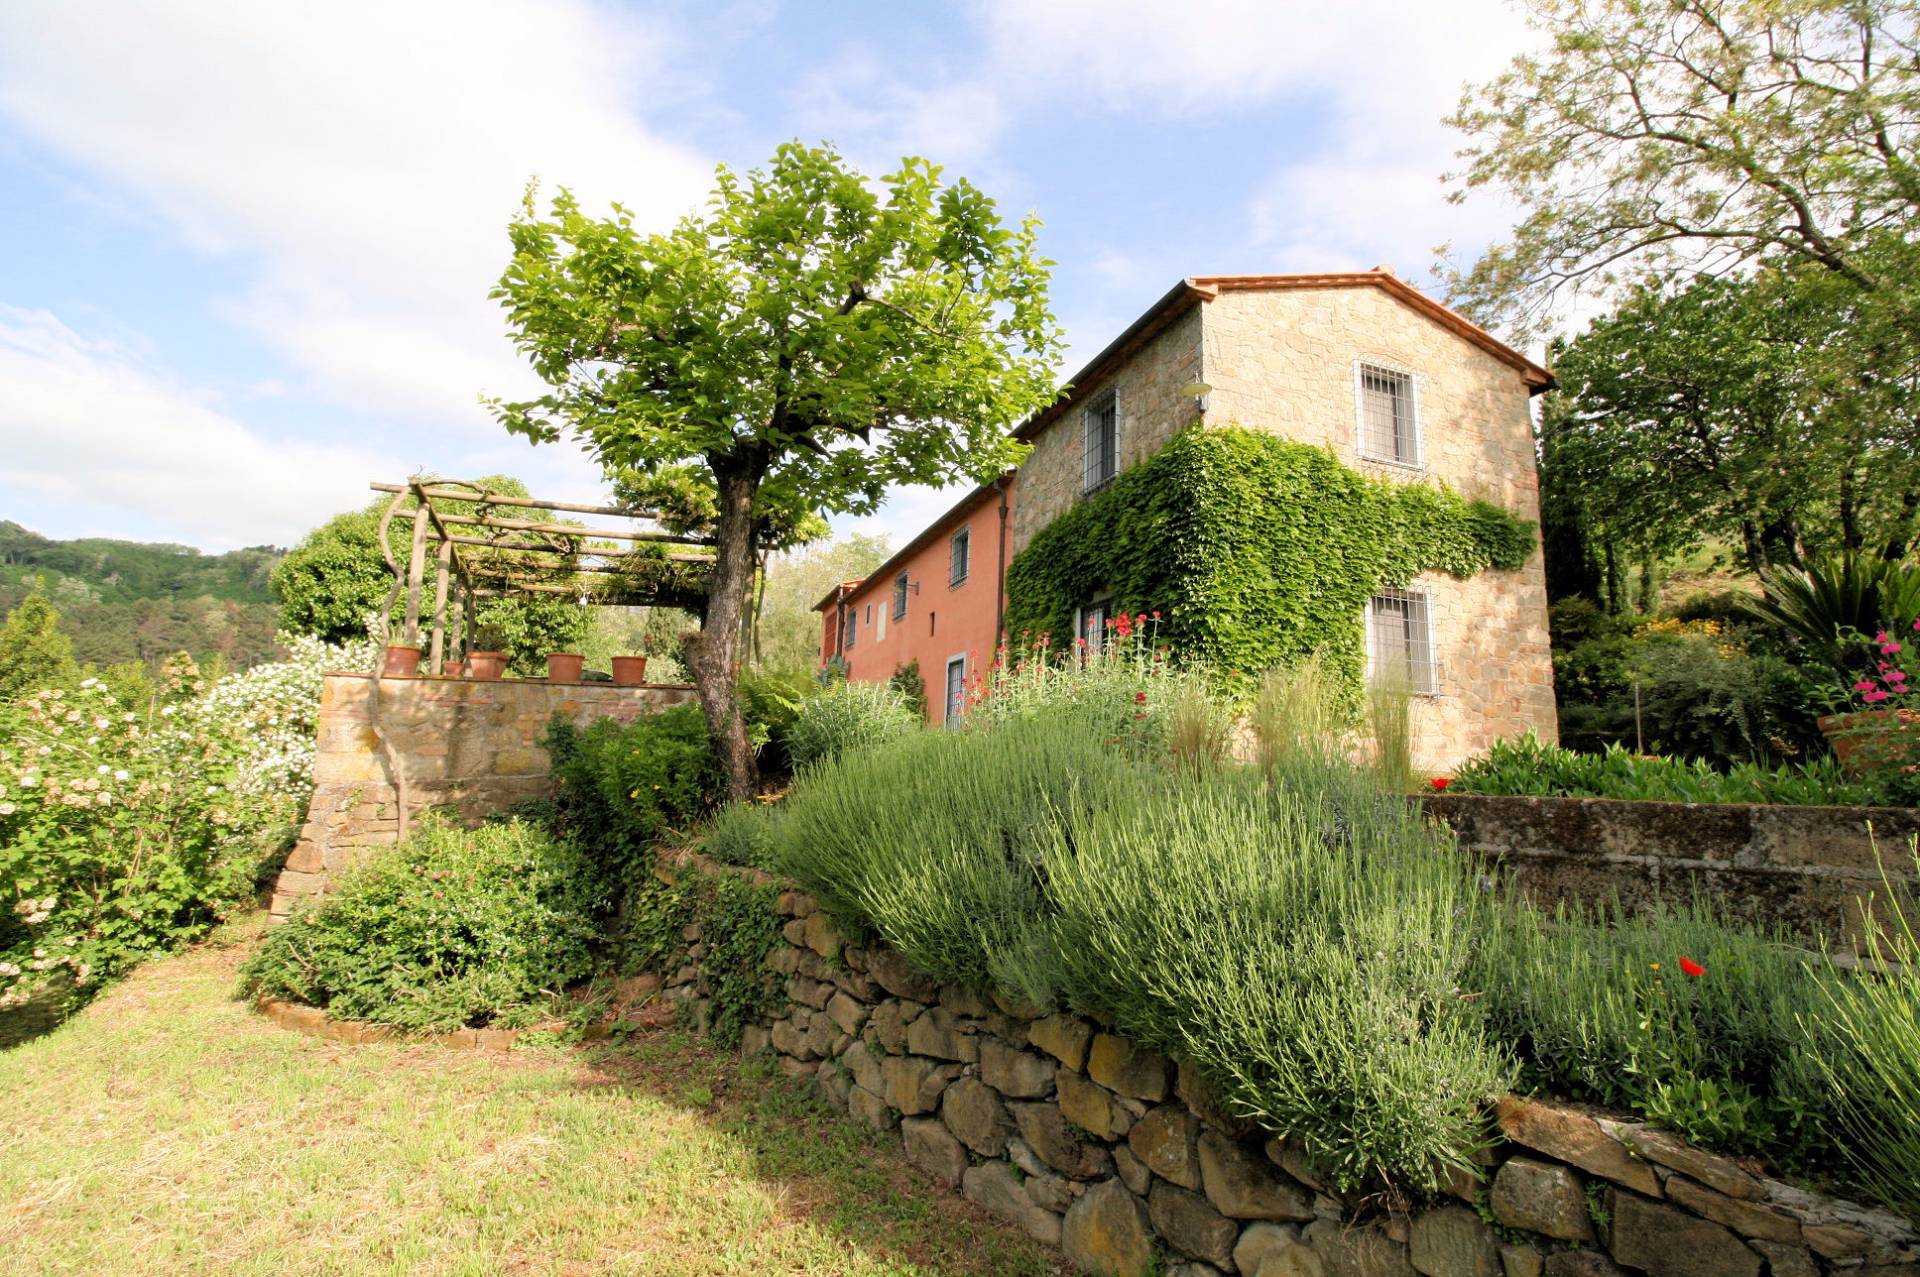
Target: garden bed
{"points": [[1092, 1142], [1809, 869]]}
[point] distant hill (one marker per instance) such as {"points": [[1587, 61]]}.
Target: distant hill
{"points": [[131, 600]]}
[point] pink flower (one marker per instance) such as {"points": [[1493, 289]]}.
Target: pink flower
{"points": [[1864, 685], [1888, 649], [1873, 696]]}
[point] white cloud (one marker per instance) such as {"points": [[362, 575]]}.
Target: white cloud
{"points": [[88, 426], [361, 157]]}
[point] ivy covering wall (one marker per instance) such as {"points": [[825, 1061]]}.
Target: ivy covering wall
{"points": [[1254, 549]]}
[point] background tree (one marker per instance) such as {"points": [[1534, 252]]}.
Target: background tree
{"points": [[806, 341], [789, 628], [1713, 411], [335, 582], [33, 651], [1699, 134]]}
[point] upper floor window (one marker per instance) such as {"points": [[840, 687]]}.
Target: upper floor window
{"points": [[1400, 639], [958, 556], [1389, 415], [1102, 424], [899, 596]]}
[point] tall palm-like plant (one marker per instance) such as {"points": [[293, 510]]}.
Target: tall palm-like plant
{"points": [[1832, 602]]}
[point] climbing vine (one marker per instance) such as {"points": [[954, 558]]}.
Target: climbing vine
{"points": [[736, 924], [1254, 550]]}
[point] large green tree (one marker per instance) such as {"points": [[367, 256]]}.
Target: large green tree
{"points": [[808, 339], [33, 652], [1700, 135], [336, 581], [1709, 411]]}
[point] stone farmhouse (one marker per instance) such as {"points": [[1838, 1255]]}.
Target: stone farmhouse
{"points": [[1396, 384]]}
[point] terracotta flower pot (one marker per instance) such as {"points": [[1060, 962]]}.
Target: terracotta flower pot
{"points": [[486, 665], [400, 661], [564, 667], [453, 669], [1867, 740], [630, 671]]}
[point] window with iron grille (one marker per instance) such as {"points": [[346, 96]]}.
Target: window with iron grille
{"points": [[1102, 421], [853, 619], [1092, 624], [958, 558], [1389, 425], [899, 596], [1400, 639]]}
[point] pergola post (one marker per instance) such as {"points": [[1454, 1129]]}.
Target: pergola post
{"points": [[444, 561], [416, 570]]}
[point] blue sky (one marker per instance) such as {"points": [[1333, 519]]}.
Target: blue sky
{"points": [[248, 245]]}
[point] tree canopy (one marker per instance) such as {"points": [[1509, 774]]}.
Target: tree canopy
{"points": [[806, 340], [33, 651], [1700, 135]]}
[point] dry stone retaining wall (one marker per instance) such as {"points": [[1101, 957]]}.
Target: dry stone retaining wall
{"points": [[472, 745], [1809, 869], [1116, 1154]]}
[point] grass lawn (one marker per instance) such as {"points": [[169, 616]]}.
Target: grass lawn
{"points": [[168, 1129]]}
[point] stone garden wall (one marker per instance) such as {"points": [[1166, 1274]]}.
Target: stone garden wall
{"points": [[1114, 1153], [1810, 869], [472, 745]]}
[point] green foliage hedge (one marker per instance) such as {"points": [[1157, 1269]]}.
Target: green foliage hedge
{"points": [[1525, 765], [1254, 550], [453, 928]]}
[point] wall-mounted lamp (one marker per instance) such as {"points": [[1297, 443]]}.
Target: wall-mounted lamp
{"points": [[1198, 392]]}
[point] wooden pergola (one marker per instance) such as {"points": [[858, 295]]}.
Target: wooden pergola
{"points": [[486, 554]]}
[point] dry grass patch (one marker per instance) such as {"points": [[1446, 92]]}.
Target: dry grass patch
{"points": [[168, 1129]]}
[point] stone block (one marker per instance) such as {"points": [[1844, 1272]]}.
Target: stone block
{"points": [[1107, 1232], [1064, 1037], [1452, 1241], [965, 1002], [937, 1033], [1292, 1159], [934, 1150], [1722, 1174], [834, 1083], [1045, 1128], [1186, 1222], [1521, 1261], [975, 1114], [1129, 1068], [893, 974], [1244, 1185], [995, 1188], [888, 1024], [1748, 1218], [1091, 1107], [864, 1067], [845, 1013], [1132, 1171], [913, 1085], [820, 935], [1581, 1263], [871, 1109], [1787, 1261], [1574, 1137], [1358, 1251], [1662, 1241], [1262, 1241], [810, 993], [1015, 1074], [1541, 1198], [1167, 1139]]}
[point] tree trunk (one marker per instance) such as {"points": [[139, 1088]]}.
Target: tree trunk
{"points": [[712, 654]]}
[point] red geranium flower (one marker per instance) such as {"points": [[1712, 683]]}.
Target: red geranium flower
{"points": [[1140, 698], [1691, 967], [1441, 782]]}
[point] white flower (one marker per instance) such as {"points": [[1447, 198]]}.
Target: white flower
{"points": [[167, 712], [29, 780], [90, 682], [7, 809], [103, 769], [120, 774]]}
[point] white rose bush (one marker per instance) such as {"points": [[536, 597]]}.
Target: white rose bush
{"points": [[125, 830]]}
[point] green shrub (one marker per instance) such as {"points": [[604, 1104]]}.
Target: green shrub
{"points": [[736, 923], [848, 716], [1524, 765], [622, 785], [1873, 1023], [452, 928], [911, 684], [743, 834], [770, 701]]}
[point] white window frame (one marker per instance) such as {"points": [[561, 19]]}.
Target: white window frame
{"points": [[949, 716], [1103, 604], [1360, 365], [1110, 395], [1429, 685], [963, 536]]}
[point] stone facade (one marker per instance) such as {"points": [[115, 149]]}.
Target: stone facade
{"points": [[1809, 869], [1114, 1153], [1283, 359], [471, 745]]}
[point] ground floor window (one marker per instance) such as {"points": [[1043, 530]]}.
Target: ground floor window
{"points": [[1400, 639], [1090, 623], [956, 689]]}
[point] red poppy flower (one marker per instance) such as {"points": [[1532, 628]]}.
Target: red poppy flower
{"points": [[1441, 782], [1691, 967]]}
